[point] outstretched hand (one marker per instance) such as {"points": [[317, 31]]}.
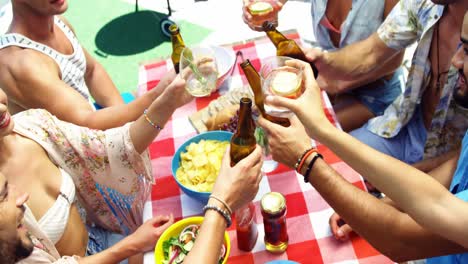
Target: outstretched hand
{"points": [[176, 93], [238, 185], [339, 228], [146, 236], [286, 143], [250, 20]]}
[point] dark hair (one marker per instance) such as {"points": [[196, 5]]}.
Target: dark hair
{"points": [[12, 251]]}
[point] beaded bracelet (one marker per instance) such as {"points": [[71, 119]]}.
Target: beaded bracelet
{"points": [[308, 153], [145, 114], [222, 212], [311, 164], [301, 158], [223, 202]]}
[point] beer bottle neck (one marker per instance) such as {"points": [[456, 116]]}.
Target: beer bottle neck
{"points": [[177, 40], [255, 83], [276, 37], [245, 126]]}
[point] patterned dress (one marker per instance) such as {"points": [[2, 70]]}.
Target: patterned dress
{"points": [[112, 179]]}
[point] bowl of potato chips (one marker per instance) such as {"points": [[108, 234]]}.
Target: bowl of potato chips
{"points": [[196, 163]]}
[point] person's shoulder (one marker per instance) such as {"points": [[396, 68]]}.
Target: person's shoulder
{"points": [[67, 23], [25, 63]]}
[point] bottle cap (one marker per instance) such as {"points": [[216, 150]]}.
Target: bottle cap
{"points": [[268, 25], [174, 29], [273, 203]]}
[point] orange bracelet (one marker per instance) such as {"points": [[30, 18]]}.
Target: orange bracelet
{"points": [[304, 158]]}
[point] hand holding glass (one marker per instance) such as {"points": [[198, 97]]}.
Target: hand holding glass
{"points": [[281, 76], [199, 69], [261, 11]]}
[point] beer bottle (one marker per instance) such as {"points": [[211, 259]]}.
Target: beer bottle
{"points": [[256, 85], [284, 46], [177, 45], [243, 141]]}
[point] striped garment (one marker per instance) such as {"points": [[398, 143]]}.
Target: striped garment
{"points": [[72, 67]]}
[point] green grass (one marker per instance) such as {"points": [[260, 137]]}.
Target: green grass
{"points": [[120, 38]]}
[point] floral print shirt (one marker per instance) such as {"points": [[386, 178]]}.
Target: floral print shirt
{"points": [[411, 21], [113, 180]]}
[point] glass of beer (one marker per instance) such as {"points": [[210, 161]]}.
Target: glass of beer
{"points": [[280, 76], [199, 69], [261, 11]]}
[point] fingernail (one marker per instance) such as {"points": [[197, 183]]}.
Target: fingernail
{"points": [[340, 233]]}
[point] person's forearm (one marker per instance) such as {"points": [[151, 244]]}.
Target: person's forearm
{"points": [[120, 251], [118, 115], [430, 164], [369, 217], [399, 181], [387, 229], [355, 60], [386, 69], [102, 88], [212, 234], [142, 132]]}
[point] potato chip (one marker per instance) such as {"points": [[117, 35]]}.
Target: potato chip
{"points": [[200, 164]]}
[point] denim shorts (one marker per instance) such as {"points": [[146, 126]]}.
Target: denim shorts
{"points": [[101, 239], [378, 95], [407, 145]]}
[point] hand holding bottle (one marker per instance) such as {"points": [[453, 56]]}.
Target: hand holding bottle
{"points": [[284, 147], [238, 185]]}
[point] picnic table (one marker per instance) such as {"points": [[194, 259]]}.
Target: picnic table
{"points": [[310, 238]]}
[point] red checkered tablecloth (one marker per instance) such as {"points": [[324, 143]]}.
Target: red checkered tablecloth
{"points": [[310, 238]]}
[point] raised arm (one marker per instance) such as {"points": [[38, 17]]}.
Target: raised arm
{"points": [[99, 83], [336, 85], [399, 30], [353, 61], [31, 83], [432, 205], [236, 186]]}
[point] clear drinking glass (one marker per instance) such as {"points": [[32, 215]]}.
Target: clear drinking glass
{"points": [[261, 11], [281, 76], [199, 69], [269, 164]]}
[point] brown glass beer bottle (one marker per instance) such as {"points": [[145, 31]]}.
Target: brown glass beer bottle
{"points": [[284, 46], [177, 45], [256, 85], [243, 141]]}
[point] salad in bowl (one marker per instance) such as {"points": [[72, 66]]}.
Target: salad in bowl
{"points": [[177, 241]]}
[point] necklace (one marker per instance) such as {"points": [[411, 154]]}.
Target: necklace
{"points": [[439, 74]]}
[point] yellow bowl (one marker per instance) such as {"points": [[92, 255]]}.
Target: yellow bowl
{"points": [[175, 229]]}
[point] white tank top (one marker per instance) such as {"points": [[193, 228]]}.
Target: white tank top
{"points": [[72, 67], [55, 220]]}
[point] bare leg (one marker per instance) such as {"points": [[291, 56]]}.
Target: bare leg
{"points": [[351, 113]]}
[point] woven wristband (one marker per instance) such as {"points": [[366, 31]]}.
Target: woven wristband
{"points": [[311, 164], [145, 114], [301, 158], [222, 212], [308, 153]]}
